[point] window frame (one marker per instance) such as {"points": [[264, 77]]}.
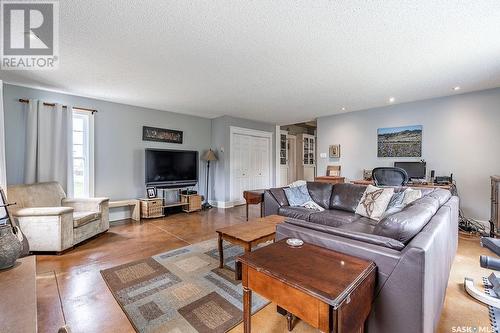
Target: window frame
{"points": [[90, 149]]}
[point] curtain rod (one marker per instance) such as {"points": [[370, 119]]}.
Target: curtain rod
{"points": [[22, 100]]}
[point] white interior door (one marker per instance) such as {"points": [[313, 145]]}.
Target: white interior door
{"points": [[240, 161], [250, 164]]}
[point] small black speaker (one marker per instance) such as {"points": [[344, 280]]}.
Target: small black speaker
{"points": [[432, 173]]}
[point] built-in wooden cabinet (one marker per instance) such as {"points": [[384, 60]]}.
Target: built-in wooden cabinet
{"points": [[283, 149], [306, 147]]}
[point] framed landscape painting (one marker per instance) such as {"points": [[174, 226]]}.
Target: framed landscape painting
{"points": [[403, 141]]}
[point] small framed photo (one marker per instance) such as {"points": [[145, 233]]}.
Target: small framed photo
{"points": [[334, 151], [151, 192]]}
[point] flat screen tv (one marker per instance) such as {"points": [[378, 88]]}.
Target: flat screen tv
{"points": [[170, 168]]}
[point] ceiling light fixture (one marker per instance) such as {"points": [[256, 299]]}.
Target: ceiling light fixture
{"points": [[391, 99], [457, 88], [343, 108]]}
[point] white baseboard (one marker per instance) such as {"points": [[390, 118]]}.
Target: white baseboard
{"points": [[226, 204]]}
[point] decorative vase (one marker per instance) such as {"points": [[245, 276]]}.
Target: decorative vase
{"points": [[10, 247]]}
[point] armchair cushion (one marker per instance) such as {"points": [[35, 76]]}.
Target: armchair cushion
{"points": [[43, 211], [82, 218]]}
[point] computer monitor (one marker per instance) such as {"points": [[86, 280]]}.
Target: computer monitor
{"points": [[415, 170]]}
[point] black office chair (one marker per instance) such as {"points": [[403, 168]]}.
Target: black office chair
{"points": [[389, 176]]}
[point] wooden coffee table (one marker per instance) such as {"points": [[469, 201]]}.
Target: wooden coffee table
{"points": [[248, 235], [329, 290]]}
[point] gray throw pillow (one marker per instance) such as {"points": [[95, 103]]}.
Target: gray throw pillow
{"points": [[297, 196]]}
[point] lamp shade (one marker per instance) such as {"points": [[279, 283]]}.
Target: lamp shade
{"points": [[209, 156]]}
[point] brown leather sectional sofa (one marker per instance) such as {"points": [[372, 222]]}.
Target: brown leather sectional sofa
{"points": [[413, 249]]}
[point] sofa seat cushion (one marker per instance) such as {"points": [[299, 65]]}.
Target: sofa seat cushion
{"points": [[300, 213], [346, 196], [82, 218], [333, 218], [363, 224]]}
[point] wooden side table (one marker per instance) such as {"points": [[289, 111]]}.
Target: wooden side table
{"points": [[254, 197], [329, 290], [248, 235]]}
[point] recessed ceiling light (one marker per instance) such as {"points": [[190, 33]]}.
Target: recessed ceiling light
{"points": [[391, 99], [343, 109], [457, 88]]}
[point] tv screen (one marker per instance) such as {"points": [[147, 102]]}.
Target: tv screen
{"points": [[171, 167], [415, 170]]}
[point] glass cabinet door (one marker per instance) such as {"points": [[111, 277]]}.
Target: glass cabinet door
{"points": [[283, 150]]}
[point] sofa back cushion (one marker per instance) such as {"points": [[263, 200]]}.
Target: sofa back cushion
{"points": [[346, 196], [406, 224], [48, 194], [321, 193]]}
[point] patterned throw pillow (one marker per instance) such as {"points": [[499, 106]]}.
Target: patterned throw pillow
{"points": [[374, 202], [297, 196]]}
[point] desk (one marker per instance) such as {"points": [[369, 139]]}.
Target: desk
{"points": [[330, 179], [425, 185], [18, 290], [254, 197]]}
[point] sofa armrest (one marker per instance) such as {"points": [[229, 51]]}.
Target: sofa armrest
{"points": [[85, 204], [271, 206], [42, 211]]}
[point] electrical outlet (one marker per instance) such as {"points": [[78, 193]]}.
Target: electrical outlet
{"points": [[322, 155]]}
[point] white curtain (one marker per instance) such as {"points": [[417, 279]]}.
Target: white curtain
{"points": [[3, 171], [49, 145]]}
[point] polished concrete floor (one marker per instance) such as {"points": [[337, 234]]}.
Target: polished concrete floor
{"points": [[71, 290]]}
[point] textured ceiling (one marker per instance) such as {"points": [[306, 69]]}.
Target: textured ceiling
{"points": [[274, 61]]}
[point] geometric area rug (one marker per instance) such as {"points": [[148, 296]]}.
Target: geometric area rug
{"points": [[182, 290]]}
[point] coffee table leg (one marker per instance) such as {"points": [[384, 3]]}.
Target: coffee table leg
{"points": [[247, 307], [237, 264], [289, 319], [221, 252]]}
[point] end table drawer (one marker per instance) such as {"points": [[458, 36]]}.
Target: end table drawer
{"points": [[308, 309]]}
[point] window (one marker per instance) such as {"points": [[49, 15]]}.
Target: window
{"points": [[83, 154]]}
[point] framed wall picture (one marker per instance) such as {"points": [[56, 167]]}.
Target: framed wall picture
{"points": [[334, 151], [161, 135], [151, 192], [403, 141]]}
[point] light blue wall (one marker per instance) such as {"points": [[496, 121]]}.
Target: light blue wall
{"points": [[221, 128], [119, 149], [461, 135]]}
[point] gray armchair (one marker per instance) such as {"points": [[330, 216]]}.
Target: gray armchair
{"points": [[52, 222]]}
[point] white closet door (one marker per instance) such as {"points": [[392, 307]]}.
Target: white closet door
{"points": [[251, 165], [241, 164], [260, 166]]}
